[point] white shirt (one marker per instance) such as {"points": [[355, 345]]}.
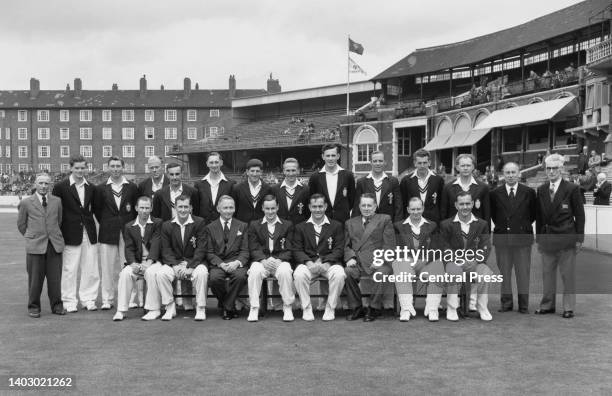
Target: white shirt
{"points": [[117, 187], [377, 183], [318, 227], [40, 197], [465, 227], [554, 186], [416, 229], [254, 191], [290, 190], [423, 183], [145, 251], [189, 221], [464, 187], [271, 229], [331, 179], [214, 186], [157, 186], [80, 188], [508, 187]]}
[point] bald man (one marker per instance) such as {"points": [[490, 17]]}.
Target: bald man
{"points": [[602, 190], [157, 180]]}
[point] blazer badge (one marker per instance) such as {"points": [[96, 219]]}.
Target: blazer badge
{"points": [[390, 195], [128, 207], [330, 243], [193, 241], [239, 233], [282, 243], [477, 204], [344, 193], [300, 207], [434, 196]]}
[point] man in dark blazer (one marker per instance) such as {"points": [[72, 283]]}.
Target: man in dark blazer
{"points": [[211, 187], [248, 195], [384, 187], [142, 249], [270, 247], [513, 210], [164, 200], [335, 183], [559, 234], [602, 190], [80, 236], [424, 184], [583, 160], [39, 219], [228, 256], [364, 235], [115, 206], [292, 196], [318, 251], [157, 181]]}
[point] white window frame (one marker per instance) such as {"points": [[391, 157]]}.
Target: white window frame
{"points": [[42, 115], [127, 115], [65, 167], [83, 135], [64, 133], [7, 152], [105, 167], [128, 151], [44, 134], [152, 131], [149, 115], [7, 133], [85, 115], [44, 151], [170, 115], [44, 167], [22, 115], [86, 151], [107, 151], [213, 113], [192, 115], [192, 133], [22, 151], [107, 115], [107, 133], [64, 151], [64, 115], [170, 133], [167, 149], [213, 131], [22, 133], [127, 133], [128, 168], [149, 151], [23, 168]]}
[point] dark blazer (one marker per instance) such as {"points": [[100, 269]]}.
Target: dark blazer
{"points": [[298, 211], [478, 237], [480, 195], [245, 211], [162, 205], [134, 241], [513, 218], [409, 188], [258, 241], [390, 197], [191, 249], [602, 194], [563, 218], [208, 209], [345, 194], [330, 248], [111, 219], [74, 215], [146, 187], [236, 248], [427, 238], [40, 226], [360, 242]]}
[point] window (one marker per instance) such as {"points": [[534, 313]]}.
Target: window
{"points": [[192, 133], [23, 167], [0, 151], [146, 168], [364, 151], [105, 167], [149, 151], [22, 115], [170, 115], [403, 142], [7, 133], [170, 133], [214, 113], [43, 134], [65, 167], [22, 133], [64, 115], [85, 133], [222, 131], [192, 115], [44, 167], [128, 151], [7, 151], [85, 115], [64, 151], [44, 151], [512, 139], [107, 133], [214, 131], [127, 133], [149, 133], [107, 151], [129, 168], [127, 115], [537, 137], [23, 151], [89, 167], [43, 115], [366, 140], [64, 133], [149, 115], [2, 115], [107, 115], [167, 150], [85, 151]]}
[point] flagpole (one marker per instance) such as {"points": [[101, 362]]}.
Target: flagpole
{"points": [[348, 74]]}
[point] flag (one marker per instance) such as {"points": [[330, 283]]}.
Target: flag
{"points": [[355, 47], [354, 67]]}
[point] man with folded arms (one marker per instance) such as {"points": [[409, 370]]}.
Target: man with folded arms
{"points": [[211, 187], [142, 249], [183, 250], [318, 251], [270, 247], [157, 181], [292, 196]]}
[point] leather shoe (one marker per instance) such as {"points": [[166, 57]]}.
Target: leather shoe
{"points": [[227, 315], [355, 314], [568, 314], [235, 314], [544, 311], [371, 315], [523, 310], [34, 314], [504, 309], [60, 311]]}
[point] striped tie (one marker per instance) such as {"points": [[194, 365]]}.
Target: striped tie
{"points": [[255, 199], [377, 189], [317, 236]]}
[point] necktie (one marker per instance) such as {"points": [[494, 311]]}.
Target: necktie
{"points": [[44, 201], [365, 222], [552, 192], [226, 231], [512, 193]]}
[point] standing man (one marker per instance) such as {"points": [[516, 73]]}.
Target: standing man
{"points": [[270, 247], [583, 160], [364, 235], [157, 180], [79, 230], [513, 210], [164, 200], [335, 183], [211, 187], [559, 234], [228, 255], [424, 184], [115, 207], [318, 251], [291, 195], [39, 219], [248, 195], [385, 188], [602, 190]]}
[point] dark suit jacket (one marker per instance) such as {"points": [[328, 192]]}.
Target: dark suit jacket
{"points": [[146, 187], [245, 211], [563, 218], [409, 188], [427, 238], [40, 226], [345, 194], [111, 219], [513, 218], [330, 248], [162, 205], [191, 249], [258, 241], [208, 209], [236, 248], [134, 242], [602, 194], [390, 197], [478, 237], [480, 196], [360, 243], [298, 211], [74, 215]]}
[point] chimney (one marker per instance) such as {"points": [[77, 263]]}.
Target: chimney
{"points": [[67, 87], [161, 88], [143, 85], [197, 86], [273, 85], [187, 87], [115, 87], [77, 87], [34, 88], [232, 86]]}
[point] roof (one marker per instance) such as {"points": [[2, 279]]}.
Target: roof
{"points": [[481, 48], [122, 98]]}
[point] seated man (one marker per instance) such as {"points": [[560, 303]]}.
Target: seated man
{"points": [[228, 255], [418, 233], [318, 245], [365, 234], [270, 247], [462, 234], [183, 241], [142, 249]]}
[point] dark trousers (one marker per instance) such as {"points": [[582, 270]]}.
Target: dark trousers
{"points": [[353, 292], [227, 294], [39, 266], [519, 258]]}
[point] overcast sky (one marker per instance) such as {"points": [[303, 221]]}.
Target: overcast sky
{"points": [[303, 43]]}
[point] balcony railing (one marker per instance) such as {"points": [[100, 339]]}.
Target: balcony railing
{"points": [[599, 51]]}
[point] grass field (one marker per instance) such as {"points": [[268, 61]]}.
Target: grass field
{"points": [[513, 354]]}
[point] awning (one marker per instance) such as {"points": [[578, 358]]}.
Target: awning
{"points": [[437, 143], [475, 136], [456, 139], [527, 114]]}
